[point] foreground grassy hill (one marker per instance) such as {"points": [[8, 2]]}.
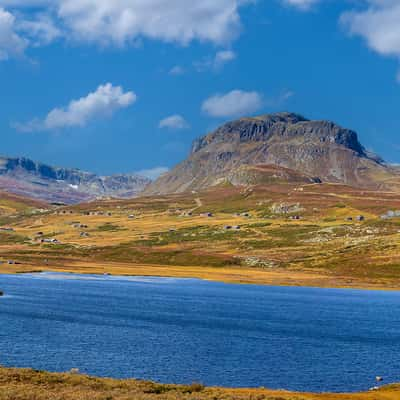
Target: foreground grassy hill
{"points": [[283, 234], [35, 385]]}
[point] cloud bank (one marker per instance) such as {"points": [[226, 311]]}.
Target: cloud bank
{"points": [[121, 22]]}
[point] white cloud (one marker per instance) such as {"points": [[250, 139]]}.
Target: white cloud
{"points": [[174, 122], [41, 30], [233, 104], [153, 173], [223, 57], [11, 43], [104, 102], [379, 25], [117, 22], [18, 33], [177, 70], [217, 62], [122, 21], [302, 4]]}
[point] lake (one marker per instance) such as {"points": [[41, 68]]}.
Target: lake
{"points": [[188, 330]]}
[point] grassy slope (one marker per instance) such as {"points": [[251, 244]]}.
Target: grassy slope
{"points": [[35, 385], [320, 249], [18, 203]]}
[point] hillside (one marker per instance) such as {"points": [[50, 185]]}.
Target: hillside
{"points": [[13, 204], [40, 181], [282, 146], [324, 235]]}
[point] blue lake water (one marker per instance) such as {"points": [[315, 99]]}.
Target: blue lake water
{"points": [[186, 330]]}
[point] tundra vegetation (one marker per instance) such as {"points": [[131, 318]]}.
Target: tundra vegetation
{"points": [[325, 235]]}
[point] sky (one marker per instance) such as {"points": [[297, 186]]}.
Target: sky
{"points": [[126, 85]]}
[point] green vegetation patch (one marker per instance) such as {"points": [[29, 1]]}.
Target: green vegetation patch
{"points": [[201, 233], [292, 235], [129, 252], [109, 227], [12, 238]]}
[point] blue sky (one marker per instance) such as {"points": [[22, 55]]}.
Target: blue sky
{"points": [[127, 85]]}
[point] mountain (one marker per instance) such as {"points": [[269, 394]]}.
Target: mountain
{"points": [[39, 181], [276, 147]]}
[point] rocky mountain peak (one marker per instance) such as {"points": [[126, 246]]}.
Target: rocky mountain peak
{"points": [[308, 150], [279, 127]]}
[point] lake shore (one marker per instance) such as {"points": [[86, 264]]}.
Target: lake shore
{"points": [[234, 275], [26, 384]]}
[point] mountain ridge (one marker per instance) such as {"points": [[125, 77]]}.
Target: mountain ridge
{"points": [[319, 150], [23, 176]]}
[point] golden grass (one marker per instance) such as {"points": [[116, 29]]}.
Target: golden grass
{"points": [[23, 384], [235, 275], [321, 249]]}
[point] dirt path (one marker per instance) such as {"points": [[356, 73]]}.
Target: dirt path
{"points": [[198, 202]]}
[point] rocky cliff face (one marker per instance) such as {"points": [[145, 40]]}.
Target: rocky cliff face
{"points": [[28, 178], [312, 150]]}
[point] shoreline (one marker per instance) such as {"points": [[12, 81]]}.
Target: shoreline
{"points": [[229, 275], [29, 383]]}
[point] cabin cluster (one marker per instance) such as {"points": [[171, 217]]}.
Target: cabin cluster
{"points": [[39, 237], [78, 225], [49, 241], [97, 213], [245, 215], [63, 212], [391, 214], [207, 215], [359, 218], [10, 262], [234, 227]]}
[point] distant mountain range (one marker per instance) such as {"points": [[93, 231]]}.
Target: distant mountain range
{"points": [[275, 148], [269, 149], [40, 181]]}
